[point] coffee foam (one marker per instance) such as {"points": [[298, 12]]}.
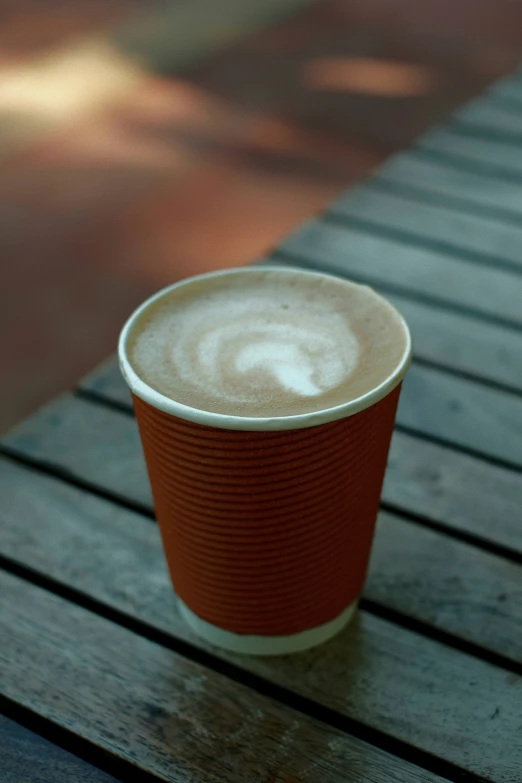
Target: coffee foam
{"points": [[267, 343]]}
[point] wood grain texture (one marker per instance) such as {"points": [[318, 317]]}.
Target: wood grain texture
{"points": [[451, 585], [455, 489], [462, 344], [437, 227], [161, 712], [451, 185], [471, 594], [89, 442], [393, 680], [347, 251], [102, 447], [463, 412], [487, 156], [27, 758]]}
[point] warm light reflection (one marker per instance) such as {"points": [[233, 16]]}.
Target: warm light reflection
{"points": [[62, 86], [366, 75]]}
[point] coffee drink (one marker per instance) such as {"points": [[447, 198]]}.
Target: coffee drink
{"points": [[267, 342]]}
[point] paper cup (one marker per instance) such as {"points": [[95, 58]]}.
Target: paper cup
{"points": [[267, 523]]}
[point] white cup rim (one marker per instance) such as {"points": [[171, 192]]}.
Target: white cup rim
{"points": [[250, 423]]}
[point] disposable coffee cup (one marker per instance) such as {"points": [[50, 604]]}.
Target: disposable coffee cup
{"points": [[267, 522]]}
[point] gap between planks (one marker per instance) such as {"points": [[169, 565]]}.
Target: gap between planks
{"points": [[247, 693], [418, 273], [452, 160], [385, 181], [348, 726], [291, 258], [98, 399], [149, 530], [424, 224], [140, 627], [49, 468], [38, 751], [384, 603]]}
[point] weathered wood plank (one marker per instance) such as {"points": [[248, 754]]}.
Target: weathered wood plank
{"points": [[393, 680], [86, 441], [474, 595], [440, 228], [462, 344], [482, 114], [460, 491], [423, 478], [161, 712], [458, 589], [462, 412], [426, 177], [381, 260], [487, 155], [27, 758], [102, 447]]}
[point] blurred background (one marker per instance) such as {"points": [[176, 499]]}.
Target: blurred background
{"points": [[141, 142]]}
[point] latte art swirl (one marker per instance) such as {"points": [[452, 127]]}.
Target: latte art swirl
{"points": [[267, 343], [234, 358]]}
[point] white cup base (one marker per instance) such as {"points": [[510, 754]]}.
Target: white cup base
{"points": [[267, 645]]}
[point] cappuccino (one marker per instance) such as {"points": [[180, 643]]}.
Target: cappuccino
{"points": [[267, 342]]}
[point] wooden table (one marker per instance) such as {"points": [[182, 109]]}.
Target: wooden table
{"points": [[426, 684]]}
